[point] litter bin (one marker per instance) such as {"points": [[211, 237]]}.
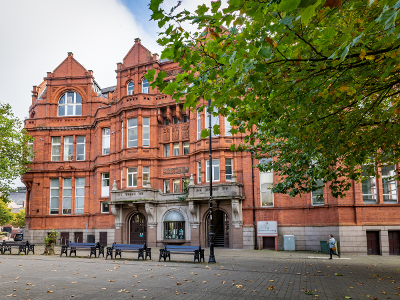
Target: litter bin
{"points": [[90, 238], [289, 243], [324, 247]]}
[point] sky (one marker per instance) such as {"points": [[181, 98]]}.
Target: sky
{"points": [[36, 36]]}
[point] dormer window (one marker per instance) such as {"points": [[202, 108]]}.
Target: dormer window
{"points": [[70, 104], [145, 86], [130, 88]]}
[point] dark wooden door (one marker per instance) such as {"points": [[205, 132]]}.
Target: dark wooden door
{"points": [[226, 230], [138, 229], [394, 242], [64, 239], [103, 239], [79, 237], [269, 242], [373, 245]]}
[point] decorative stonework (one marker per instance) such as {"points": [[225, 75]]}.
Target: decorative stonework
{"points": [[228, 141], [132, 151], [174, 72], [185, 131], [166, 135], [174, 171], [175, 133]]}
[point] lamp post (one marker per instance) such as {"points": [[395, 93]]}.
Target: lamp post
{"points": [[211, 258]]}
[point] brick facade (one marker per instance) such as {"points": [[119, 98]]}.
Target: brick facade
{"points": [[109, 115]]}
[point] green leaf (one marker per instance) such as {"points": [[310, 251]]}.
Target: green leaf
{"points": [[307, 14], [287, 5], [287, 21], [306, 3], [170, 88], [150, 75], [215, 6], [204, 133]]}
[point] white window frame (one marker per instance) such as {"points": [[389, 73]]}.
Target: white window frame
{"points": [[214, 121], [30, 146], [105, 184], [167, 186], [103, 211], [122, 135], [54, 199], [66, 209], [53, 146], [167, 150], [228, 163], [176, 149], [145, 86], [145, 170], [185, 147], [81, 155], [130, 88], [68, 147], [78, 199], [392, 183], [174, 181], [270, 173], [106, 141], [146, 129], [73, 104], [199, 172], [132, 128], [215, 170], [198, 124], [228, 127], [314, 194], [373, 187], [131, 175]]}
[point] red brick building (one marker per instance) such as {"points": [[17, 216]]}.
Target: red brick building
{"points": [[127, 164]]}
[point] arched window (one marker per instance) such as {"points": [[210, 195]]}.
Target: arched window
{"points": [[174, 226], [130, 88], [70, 104], [145, 86]]}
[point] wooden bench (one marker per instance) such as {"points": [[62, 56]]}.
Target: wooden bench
{"points": [[119, 248], [82, 246], [23, 246], [195, 250]]}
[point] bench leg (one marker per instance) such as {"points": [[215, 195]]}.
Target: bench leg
{"points": [[92, 252], [72, 250], [118, 252], [101, 251], [64, 250], [140, 254], [31, 248], [148, 253], [109, 252]]}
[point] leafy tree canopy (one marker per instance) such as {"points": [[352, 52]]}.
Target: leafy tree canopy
{"points": [[19, 219], [312, 83], [14, 150], [6, 215]]}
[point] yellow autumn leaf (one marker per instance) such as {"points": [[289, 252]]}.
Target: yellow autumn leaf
{"points": [[275, 44], [370, 57], [344, 88], [362, 54]]}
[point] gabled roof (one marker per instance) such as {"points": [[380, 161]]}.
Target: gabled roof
{"points": [[69, 67], [137, 55]]}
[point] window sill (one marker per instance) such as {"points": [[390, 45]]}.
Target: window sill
{"points": [[174, 241]]}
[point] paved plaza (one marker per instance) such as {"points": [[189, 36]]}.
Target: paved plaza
{"points": [[238, 274]]}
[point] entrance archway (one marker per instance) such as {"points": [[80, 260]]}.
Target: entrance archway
{"points": [[221, 229], [137, 229]]}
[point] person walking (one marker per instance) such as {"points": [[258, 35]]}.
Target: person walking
{"points": [[332, 246]]}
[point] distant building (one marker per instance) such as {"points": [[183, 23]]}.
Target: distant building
{"points": [[128, 163], [17, 200]]}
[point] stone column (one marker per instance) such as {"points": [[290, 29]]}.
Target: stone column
{"points": [[151, 225]]}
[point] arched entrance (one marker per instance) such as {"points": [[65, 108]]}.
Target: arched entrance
{"points": [[221, 229], [137, 229]]}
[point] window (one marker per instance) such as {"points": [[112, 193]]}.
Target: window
{"points": [[132, 132], [175, 120], [167, 186], [105, 184], [105, 208], [122, 135], [55, 148], [166, 150], [214, 121], [215, 170], [80, 147], [166, 121], [228, 126], [199, 172], [198, 125], [106, 141], [185, 119], [67, 195], [54, 196], [228, 169], [30, 155], [368, 187], [79, 196], [70, 104], [389, 184], [146, 175], [68, 148], [185, 148], [266, 183], [130, 88], [317, 196], [132, 177], [176, 149], [146, 132], [145, 86], [177, 185], [174, 226]]}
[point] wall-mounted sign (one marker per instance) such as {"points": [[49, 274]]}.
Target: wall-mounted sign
{"points": [[267, 228]]}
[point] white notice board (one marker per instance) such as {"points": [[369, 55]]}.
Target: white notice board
{"points": [[267, 228]]}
